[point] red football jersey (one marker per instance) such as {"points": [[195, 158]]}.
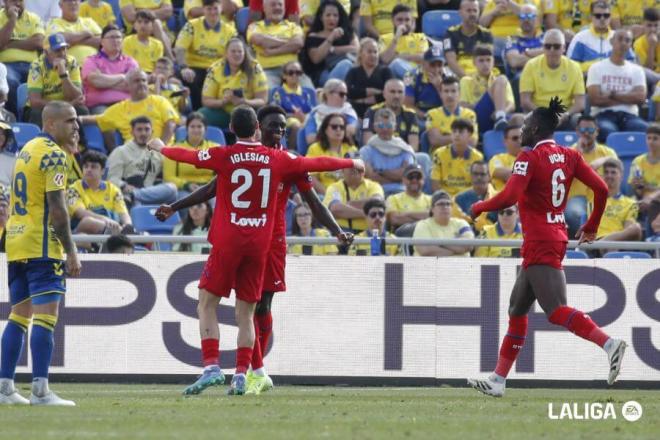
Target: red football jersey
{"points": [[249, 175], [304, 184], [539, 183]]}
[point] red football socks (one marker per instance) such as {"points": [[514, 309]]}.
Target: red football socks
{"points": [[265, 325], [243, 357], [579, 323], [210, 352], [511, 345], [257, 358]]}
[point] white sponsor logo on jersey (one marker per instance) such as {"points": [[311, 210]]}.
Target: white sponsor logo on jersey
{"points": [[520, 168]]}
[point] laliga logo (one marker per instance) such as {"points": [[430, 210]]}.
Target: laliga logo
{"points": [[631, 411]]}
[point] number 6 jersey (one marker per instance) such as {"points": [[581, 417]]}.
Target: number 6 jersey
{"points": [[540, 180], [40, 168]]}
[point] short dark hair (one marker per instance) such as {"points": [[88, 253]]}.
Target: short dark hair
{"points": [[587, 118], [478, 163], [508, 128], [483, 50], [140, 120], [653, 129], [599, 4], [116, 242], [196, 116], [373, 203], [269, 110], [651, 14], [401, 8], [95, 157], [613, 162], [209, 2], [146, 15], [109, 28], [449, 80], [165, 60], [243, 121], [462, 124]]}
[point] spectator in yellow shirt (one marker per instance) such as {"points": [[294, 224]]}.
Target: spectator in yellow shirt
{"points": [[276, 41], [480, 190], [188, 178], [99, 11], [303, 226], [237, 79], [162, 9], [500, 165], [501, 18], [507, 227], [460, 39], [487, 92], [374, 212], [439, 120], [167, 85], [569, 16], [645, 169], [377, 15], [646, 46], [553, 74], [82, 34], [412, 204], [141, 46], [403, 50]]}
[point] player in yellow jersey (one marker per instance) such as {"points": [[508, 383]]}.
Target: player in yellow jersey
{"points": [[38, 234]]}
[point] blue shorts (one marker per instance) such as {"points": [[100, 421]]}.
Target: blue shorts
{"points": [[39, 279], [484, 109]]}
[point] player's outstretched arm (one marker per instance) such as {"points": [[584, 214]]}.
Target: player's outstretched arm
{"points": [[199, 158], [325, 217], [509, 196], [59, 218], [585, 174], [323, 163], [200, 195]]}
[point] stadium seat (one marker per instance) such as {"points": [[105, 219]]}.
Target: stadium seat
{"points": [[651, 114], [566, 138], [94, 138], [242, 20], [21, 99], [575, 254], [145, 221], [436, 23], [493, 143], [301, 142], [627, 254], [212, 134], [117, 10], [627, 144], [24, 132]]}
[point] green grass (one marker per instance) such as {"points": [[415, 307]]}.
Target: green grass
{"points": [[160, 412]]}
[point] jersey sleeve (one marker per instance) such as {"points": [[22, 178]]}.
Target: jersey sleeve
{"points": [[585, 174], [35, 80], [210, 159], [186, 36], [53, 164], [291, 164], [304, 182]]}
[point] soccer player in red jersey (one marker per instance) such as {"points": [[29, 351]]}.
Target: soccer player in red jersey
{"points": [[249, 175], [272, 121], [540, 181]]}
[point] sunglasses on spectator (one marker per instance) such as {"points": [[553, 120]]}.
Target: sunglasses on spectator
{"points": [[603, 15], [340, 93], [414, 176], [551, 46], [507, 212], [304, 214], [337, 126], [590, 130], [379, 214], [443, 204], [529, 16], [294, 72], [385, 125], [113, 36]]}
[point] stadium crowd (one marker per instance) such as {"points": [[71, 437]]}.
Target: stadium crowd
{"points": [[431, 94]]}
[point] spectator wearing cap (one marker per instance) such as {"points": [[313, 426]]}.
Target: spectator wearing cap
{"points": [[374, 212], [500, 165], [55, 75], [82, 34], [347, 197], [4, 210], [412, 204], [424, 84], [7, 154], [460, 40], [507, 227], [367, 79], [406, 121], [439, 120], [451, 164], [21, 39], [386, 155], [440, 224], [481, 190], [525, 44], [403, 49]]}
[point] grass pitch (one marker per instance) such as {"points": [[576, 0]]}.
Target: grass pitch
{"points": [[107, 411]]}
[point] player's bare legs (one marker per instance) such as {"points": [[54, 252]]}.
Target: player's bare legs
{"points": [[549, 285], [209, 333], [244, 313]]}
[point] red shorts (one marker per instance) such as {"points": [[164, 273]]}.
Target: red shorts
{"points": [[546, 253], [274, 275], [226, 270]]}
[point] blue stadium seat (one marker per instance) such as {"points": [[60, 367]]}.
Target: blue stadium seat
{"points": [[145, 221], [575, 254], [301, 142], [627, 144], [117, 10], [21, 99], [651, 115], [566, 138], [493, 143], [212, 134], [627, 254], [436, 23], [94, 138], [242, 20], [24, 132]]}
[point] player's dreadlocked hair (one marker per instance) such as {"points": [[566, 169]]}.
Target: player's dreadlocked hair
{"points": [[547, 118]]}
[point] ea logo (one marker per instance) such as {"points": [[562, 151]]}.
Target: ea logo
{"points": [[631, 411]]}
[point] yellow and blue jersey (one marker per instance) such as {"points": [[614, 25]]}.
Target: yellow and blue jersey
{"points": [[599, 151], [107, 200], [618, 211], [145, 54], [495, 232], [284, 29], [322, 249], [418, 87], [40, 168], [648, 171], [441, 119], [453, 170], [219, 79], [303, 98], [102, 14], [45, 79], [204, 44], [27, 25]]}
